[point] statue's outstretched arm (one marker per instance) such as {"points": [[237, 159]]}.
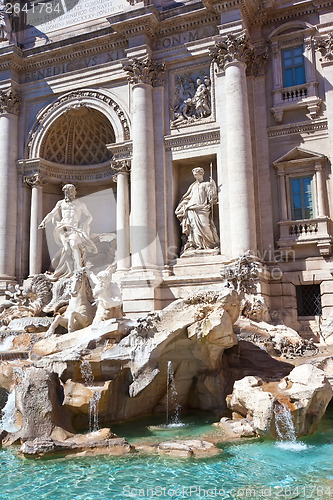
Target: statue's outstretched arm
{"points": [[53, 215]]}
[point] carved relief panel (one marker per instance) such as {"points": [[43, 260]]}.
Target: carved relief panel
{"points": [[191, 97]]}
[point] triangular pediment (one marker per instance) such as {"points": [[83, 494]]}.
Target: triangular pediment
{"points": [[298, 153]]}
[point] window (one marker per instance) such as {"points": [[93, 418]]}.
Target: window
{"points": [[308, 300], [293, 66], [295, 85], [301, 198]]}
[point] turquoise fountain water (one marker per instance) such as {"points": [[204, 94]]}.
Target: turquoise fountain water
{"points": [[257, 469]]}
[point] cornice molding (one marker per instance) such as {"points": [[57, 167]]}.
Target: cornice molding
{"points": [[298, 128], [22, 63], [192, 140]]}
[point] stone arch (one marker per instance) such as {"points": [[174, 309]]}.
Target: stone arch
{"points": [[291, 27], [97, 100]]}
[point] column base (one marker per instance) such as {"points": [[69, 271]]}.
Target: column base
{"points": [[139, 291], [6, 280]]}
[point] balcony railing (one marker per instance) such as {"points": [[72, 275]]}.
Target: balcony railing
{"points": [[298, 96], [304, 232]]}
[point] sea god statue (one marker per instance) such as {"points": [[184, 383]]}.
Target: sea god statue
{"points": [[195, 213], [71, 220]]}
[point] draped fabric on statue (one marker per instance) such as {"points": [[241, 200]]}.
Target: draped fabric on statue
{"points": [[195, 214]]}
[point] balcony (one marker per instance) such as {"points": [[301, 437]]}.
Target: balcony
{"points": [[296, 233], [293, 98]]}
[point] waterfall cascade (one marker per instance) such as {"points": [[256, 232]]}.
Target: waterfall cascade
{"points": [[285, 428], [8, 419], [88, 377], [172, 407]]}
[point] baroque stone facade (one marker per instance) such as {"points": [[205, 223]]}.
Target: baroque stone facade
{"points": [[124, 101]]}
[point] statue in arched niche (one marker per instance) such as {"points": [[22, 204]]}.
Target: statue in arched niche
{"points": [[195, 212], [71, 220]]}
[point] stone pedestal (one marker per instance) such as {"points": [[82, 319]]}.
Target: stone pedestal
{"points": [[9, 109]]}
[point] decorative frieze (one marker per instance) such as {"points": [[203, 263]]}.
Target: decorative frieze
{"points": [[9, 102], [233, 48], [144, 71], [325, 47]]}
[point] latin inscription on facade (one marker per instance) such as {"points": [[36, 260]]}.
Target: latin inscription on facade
{"points": [[70, 13], [181, 38], [66, 67]]}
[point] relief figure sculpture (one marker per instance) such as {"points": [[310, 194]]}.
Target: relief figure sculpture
{"points": [[195, 213], [192, 103]]}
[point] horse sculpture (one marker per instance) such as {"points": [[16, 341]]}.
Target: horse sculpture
{"points": [[80, 311]]}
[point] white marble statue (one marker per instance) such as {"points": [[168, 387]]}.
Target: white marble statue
{"points": [[201, 100], [80, 311], [107, 295], [6, 30], [71, 219], [195, 213]]}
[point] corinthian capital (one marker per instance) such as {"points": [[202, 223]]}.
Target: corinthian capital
{"points": [[232, 49], [34, 180], [121, 166], [9, 102], [144, 71], [325, 47]]}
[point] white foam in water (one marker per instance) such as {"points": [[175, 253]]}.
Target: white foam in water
{"points": [[285, 429], [8, 420], [292, 446], [7, 343]]}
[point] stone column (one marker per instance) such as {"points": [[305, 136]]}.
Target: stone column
{"points": [[36, 214], [142, 75], [9, 110], [320, 181], [122, 169], [232, 55]]}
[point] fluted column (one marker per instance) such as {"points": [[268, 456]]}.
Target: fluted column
{"points": [[232, 55], [122, 169], [9, 110], [142, 76], [36, 214], [319, 169]]}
